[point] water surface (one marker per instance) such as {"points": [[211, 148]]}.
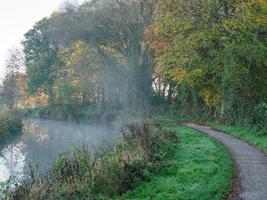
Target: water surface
{"points": [[42, 141]]}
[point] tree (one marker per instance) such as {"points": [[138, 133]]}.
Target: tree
{"points": [[40, 57], [14, 88], [116, 30], [216, 49], [14, 83], [15, 60]]}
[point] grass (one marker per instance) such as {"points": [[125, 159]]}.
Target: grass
{"points": [[252, 134], [249, 135], [201, 169]]}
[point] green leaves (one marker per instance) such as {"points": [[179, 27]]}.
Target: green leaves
{"points": [[215, 47], [40, 57]]}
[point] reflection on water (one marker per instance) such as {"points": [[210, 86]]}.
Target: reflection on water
{"points": [[41, 133], [43, 140], [12, 161]]}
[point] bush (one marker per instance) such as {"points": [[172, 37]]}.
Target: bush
{"points": [[259, 117], [141, 151], [10, 123]]}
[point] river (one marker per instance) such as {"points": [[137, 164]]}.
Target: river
{"points": [[42, 141]]}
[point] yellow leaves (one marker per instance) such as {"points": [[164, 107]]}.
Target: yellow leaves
{"points": [[40, 99], [192, 77], [211, 97], [227, 24], [56, 14], [75, 82], [71, 71], [261, 21], [253, 10], [179, 76], [262, 16], [249, 14], [72, 56]]}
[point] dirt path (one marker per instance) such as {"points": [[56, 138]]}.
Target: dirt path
{"points": [[250, 162]]}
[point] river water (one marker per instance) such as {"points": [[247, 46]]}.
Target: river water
{"points": [[42, 141]]}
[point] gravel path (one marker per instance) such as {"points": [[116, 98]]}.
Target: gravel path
{"points": [[251, 164]]}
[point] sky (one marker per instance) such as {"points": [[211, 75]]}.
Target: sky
{"points": [[16, 18]]}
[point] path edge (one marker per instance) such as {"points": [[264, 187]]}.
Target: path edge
{"points": [[235, 190]]}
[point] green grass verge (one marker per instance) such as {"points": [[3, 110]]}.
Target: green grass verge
{"points": [[201, 169], [249, 135]]}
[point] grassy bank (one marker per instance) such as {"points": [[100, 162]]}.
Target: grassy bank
{"points": [[255, 135], [10, 123], [250, 135], [200, 169]]}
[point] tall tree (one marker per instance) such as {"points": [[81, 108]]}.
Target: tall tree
{"points": [[215, 48], [14, 82], [116, 29], [40, 57]]}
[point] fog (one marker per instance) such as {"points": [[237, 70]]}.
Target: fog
{"points": [[42, 141], [88, 62]]}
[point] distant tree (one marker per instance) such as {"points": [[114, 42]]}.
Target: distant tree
{"points": [[69, 6], [15, 60], [14, 82], [9, 89], [40, 57]]}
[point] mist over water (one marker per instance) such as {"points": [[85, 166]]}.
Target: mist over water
{"points": [[42, 141]]}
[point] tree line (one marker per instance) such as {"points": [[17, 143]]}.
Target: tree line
{"points": [[198, 57], [215, 53]]}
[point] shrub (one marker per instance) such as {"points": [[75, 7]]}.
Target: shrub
{"points": [[10, 123], [260, 117]]}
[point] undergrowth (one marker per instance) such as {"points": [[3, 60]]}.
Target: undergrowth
{"points": [[10, 123], [141, 152]]}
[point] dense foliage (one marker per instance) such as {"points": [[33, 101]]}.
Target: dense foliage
{"points": [[10, 123], [141, 152], [92, 56], [215, 53], [205, 58]]}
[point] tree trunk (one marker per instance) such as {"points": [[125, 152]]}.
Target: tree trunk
{"points": [[224, 105]]}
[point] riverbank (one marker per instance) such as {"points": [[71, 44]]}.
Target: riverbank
{"points": [[150, 161], [200, 169], [10, 123], [106, 172], [83, 116]]}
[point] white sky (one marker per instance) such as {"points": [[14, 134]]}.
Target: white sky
{"points": [[16, 18]]}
